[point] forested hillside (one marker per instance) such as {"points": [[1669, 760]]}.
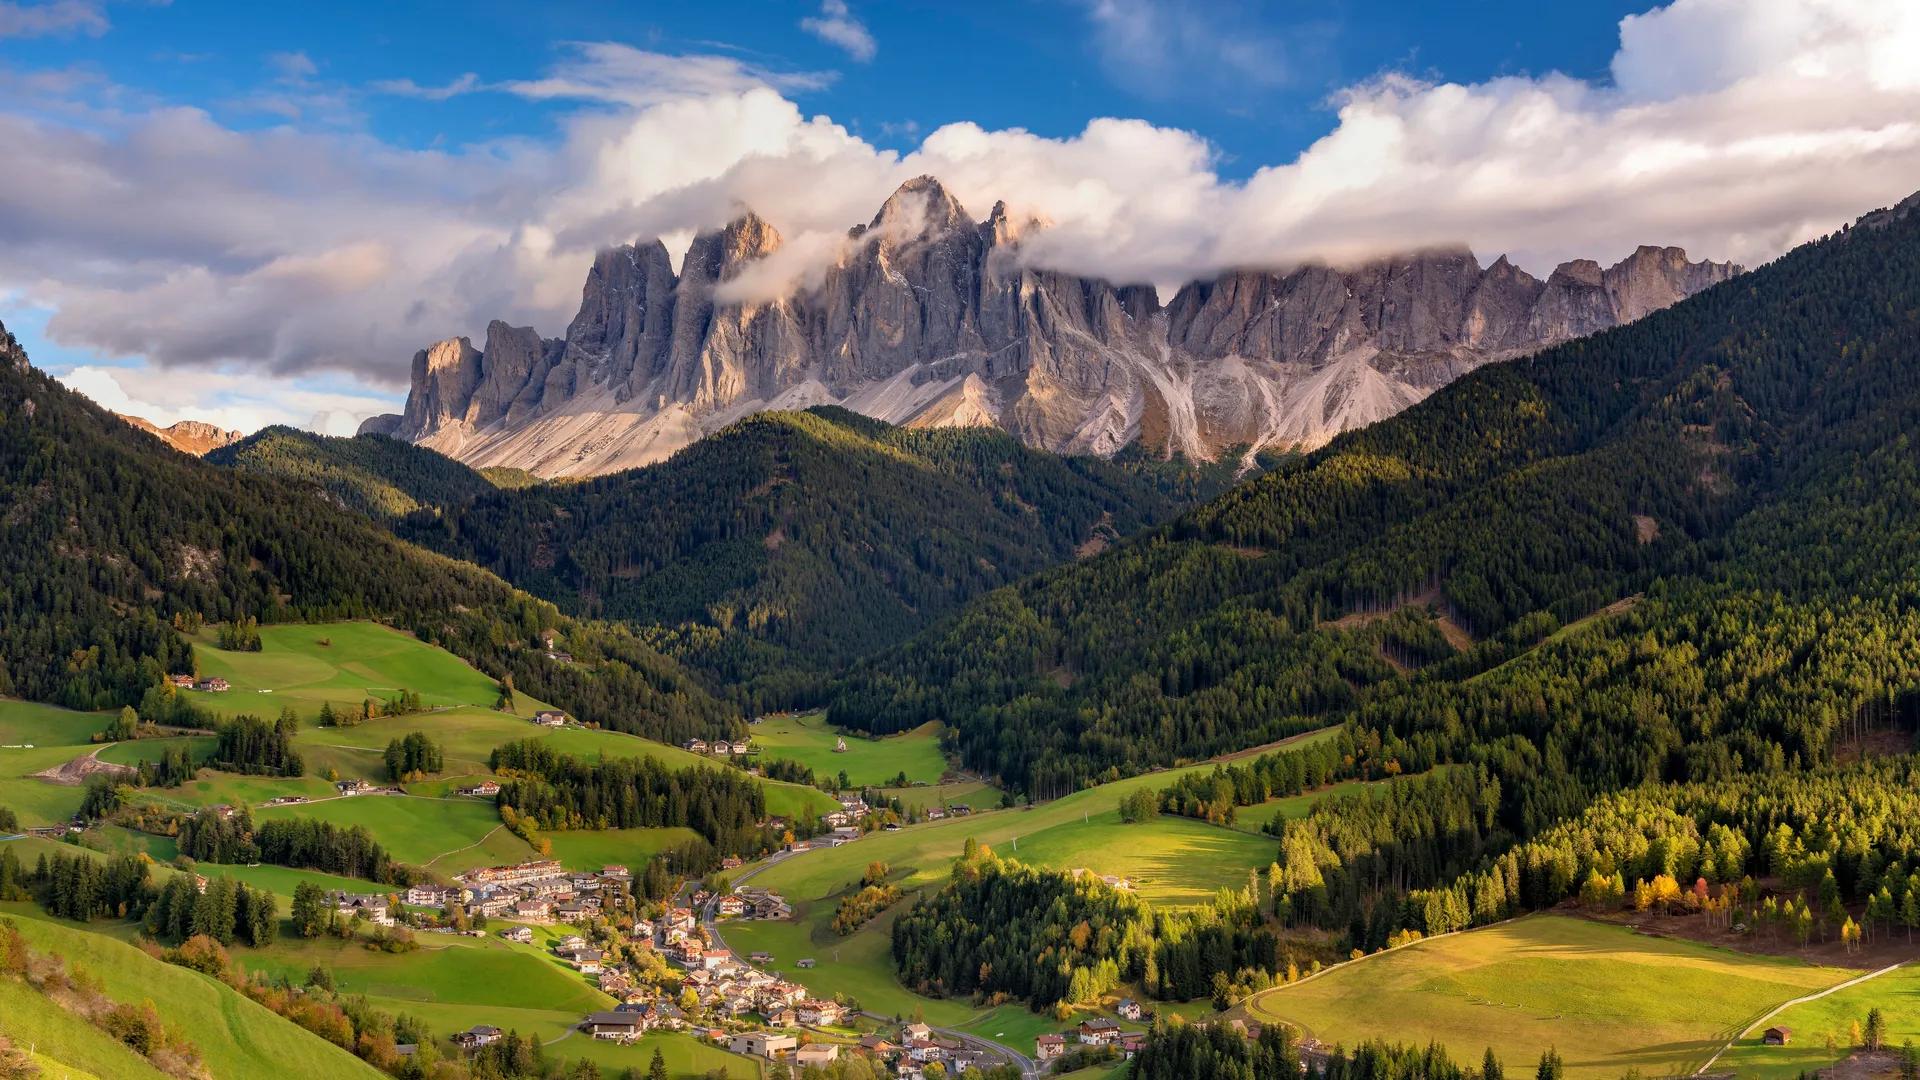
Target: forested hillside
{"points": [[112, 549], [380, 477], [1730, 487], [793, 542]]}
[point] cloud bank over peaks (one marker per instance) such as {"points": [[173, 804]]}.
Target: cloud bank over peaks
{"points": [[1734, 128]]}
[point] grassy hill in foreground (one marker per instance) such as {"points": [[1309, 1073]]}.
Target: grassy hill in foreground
{"points": [[1608, 999], [235, 1036]]}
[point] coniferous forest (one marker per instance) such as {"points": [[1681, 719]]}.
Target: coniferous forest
{"points": [[1626, 623]]}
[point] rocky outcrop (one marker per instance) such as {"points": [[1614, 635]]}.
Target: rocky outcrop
{"points": [[929, 318], [187, 436]]}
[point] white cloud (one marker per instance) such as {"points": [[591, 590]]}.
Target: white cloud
{"points": [[233, 399], [838, 26], [1734, 128], [616, 74], [56, 18]]}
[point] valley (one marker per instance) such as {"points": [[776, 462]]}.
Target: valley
{"points": [[1562, 712]]}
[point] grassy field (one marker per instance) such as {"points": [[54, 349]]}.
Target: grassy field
{"points": [[974, 793], [1084, 821], [453, 983], [628, 847], [1294, 807], [236, 1037], [359, 660], [808, 739], [413, 830], [1896, 994], [64, 1045], [46, 725], [35, 737], [1174, 860], [1608, 999]]}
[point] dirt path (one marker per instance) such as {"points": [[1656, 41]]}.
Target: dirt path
{"points": [[1785, 1005], [74, 773], [463, 847]]}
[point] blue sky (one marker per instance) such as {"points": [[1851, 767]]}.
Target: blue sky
{"points": [[1043, 65], [281, 202]]}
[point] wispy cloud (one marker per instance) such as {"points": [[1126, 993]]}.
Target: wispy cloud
{"points": [[53, 19], [465, 83], [1168, 48], [293, 66], [615, 73], [837, 25]]}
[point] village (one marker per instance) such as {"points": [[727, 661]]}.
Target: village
{"points": [[669, 970]]}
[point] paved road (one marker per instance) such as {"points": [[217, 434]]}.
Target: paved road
{"points": [[708, 919]]}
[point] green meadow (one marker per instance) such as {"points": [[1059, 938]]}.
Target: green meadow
{"points": [[1896, 994], [1174, 861], [809, 740], [975, 793], [63, 1045], [591, 850], [235, 1036], [1608, 999], [424, 832], [342, 663]]}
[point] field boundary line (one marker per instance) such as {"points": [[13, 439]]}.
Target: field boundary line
{"points": [[1802, 1000]]}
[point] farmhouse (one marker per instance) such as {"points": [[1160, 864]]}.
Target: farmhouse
{"points": [[371, 905], [1049, 1046], [485, 789], [477, 1035], [214, 685], [550, 718], [623, 1026], [184, 682], [352, 787], [732, 905], [819, 1013], [521, 934], [698, 746], [721, 746], [1099, 1031], [1130, 1009]]}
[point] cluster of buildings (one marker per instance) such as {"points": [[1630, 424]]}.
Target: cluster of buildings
{"points": [[215, 685], [541, 891], [721, 747], [361, 787], [1093, 1033]]}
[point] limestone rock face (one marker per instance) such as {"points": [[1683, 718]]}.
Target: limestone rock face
{"points": [[187, 436], [927, 317]]}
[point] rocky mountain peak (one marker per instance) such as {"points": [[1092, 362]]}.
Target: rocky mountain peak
{"points": [[933, 319], [194, 437], [919, 208]]}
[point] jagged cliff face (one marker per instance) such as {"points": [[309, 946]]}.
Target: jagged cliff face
{"points": [[187, 436], [929, 318]]}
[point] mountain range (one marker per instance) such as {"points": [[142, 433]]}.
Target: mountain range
{"points": [[928, 318]]}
